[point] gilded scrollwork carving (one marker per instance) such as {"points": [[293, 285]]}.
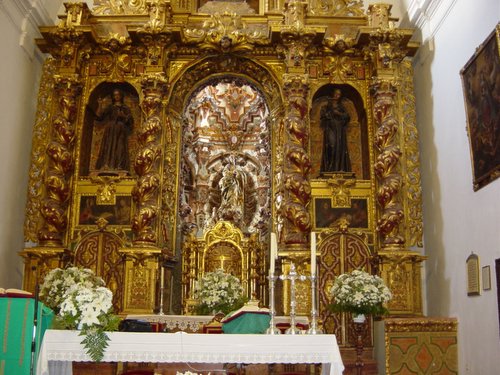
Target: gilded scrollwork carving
{"points": [[347, 8], [76, 15], [412, 188], [109, 7], [41, 137], [225, 33], [60, 163], [341, 190], [401, 270]]}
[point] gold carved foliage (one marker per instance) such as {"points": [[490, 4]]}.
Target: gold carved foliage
{"points": [[224, 231], [109, 7], [41, 137], [412, 188], [347, 8], [225, 33]]}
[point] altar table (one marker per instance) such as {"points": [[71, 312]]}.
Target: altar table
{"points": [[64, 347]]}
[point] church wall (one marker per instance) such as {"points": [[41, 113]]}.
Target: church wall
{"points": [[19, 70], [457, 220]]}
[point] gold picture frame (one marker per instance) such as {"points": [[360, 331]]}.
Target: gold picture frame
{"points": [[481, 86], [473, 283]]}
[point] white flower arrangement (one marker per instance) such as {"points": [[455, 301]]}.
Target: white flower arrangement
{"points": [[358, 292], [58, 281], [218, 291], [81, 301]]}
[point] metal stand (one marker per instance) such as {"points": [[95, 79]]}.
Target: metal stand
{"points": [[272, 330], [359, 328], [292, 276], [313, 329]]}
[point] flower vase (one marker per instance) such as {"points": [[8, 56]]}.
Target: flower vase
{"points": [[359, 318]]}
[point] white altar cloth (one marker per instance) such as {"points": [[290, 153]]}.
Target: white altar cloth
{"points": [[64, 346]]}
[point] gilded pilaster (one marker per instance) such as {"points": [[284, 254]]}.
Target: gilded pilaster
{"points": [[41, 132], [141, 279]]}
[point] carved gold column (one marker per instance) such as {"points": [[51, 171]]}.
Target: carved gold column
{"points": [[143, 259], [386, 47], [63, 42], [295, 185]]}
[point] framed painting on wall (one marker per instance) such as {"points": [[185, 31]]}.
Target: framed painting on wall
{"points": [[481, 85]]}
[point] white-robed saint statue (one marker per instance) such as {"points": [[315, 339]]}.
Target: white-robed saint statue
{"points": [[232, 185]]}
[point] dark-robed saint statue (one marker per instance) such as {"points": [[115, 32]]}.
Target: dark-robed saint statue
{"points": [[334, 120], [118, 122]]}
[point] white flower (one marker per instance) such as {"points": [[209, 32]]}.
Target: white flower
{"points": [[77, 296], [217, 288], [359, 292]]}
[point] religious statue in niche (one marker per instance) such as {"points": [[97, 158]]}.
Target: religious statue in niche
{"points": [[334, 120], [232, 189], [118, 122], [111, 111]]}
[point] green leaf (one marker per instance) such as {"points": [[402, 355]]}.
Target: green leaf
{"points": [[95, 342]]}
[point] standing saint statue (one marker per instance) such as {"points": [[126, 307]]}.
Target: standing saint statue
{"points": [[334, 120], [118, 121], [231, 187]]}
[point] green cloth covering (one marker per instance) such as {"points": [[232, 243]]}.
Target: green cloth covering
{"points": [[16, 331], [246, 322]]}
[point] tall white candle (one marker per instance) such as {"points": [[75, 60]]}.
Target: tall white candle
{"points": [[313, 253], [162, 278], [273, 253]]}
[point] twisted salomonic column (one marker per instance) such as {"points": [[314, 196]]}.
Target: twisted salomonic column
{"points": [[296, 164], [147, 161], [60, 163], [386, 165]]}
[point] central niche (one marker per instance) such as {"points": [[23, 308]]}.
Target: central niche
{"points": [[225, 165]]}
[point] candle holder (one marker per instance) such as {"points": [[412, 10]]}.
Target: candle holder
{"points": [[313, 329], [272, 330], [292, 276]]}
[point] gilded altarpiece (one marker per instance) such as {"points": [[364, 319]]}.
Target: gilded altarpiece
{"points": [[159, 121]]}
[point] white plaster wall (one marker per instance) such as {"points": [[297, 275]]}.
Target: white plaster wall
{"points": [[18, 72], [457, 220], [20, 69]]}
